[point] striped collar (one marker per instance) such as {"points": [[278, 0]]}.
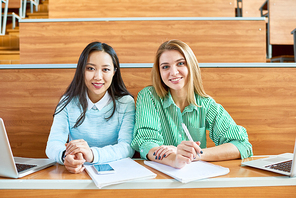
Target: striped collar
{"points": [[168, 101]]}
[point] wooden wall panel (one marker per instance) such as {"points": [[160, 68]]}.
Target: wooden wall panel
{"points": [[137, 41], [282, 20], [260, 99], [251, 8], [140, 8]]}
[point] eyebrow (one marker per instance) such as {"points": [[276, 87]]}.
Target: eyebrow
{"points": [[180, 59], [92, 64]]}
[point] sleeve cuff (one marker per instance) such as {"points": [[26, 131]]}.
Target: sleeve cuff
{"points": [[60, 160], [95, 154], [145, 148], [243, 149]]}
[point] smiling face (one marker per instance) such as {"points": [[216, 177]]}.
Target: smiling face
{"points": [[173, 70], [99, 72]]}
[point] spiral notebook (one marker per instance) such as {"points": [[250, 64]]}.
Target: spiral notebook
{"points": [[193, 171]]}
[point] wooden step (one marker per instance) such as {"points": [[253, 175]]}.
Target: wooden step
{"points": [[9, 42], [14, 32], [37, 15], [9, 57]]}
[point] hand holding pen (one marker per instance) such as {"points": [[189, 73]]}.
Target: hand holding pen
{"points": [[187, 149], [190, 148]]}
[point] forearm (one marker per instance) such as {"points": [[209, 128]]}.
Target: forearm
{"points": [[225, 151], [54, 151], [112, 152]]}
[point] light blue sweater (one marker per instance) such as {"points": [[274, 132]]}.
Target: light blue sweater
{"points": [[109, 139]]}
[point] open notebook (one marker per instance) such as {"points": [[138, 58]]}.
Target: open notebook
{"points": [[193, 171], [125, 170], [284, 164], [16, 167]]}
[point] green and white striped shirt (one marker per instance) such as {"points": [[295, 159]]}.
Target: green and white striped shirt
{"points": [[159, 122]]}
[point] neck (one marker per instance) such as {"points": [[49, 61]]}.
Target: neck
{"points": [[180, 98]]}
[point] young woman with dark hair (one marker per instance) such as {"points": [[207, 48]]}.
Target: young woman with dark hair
{"points": [[95, 115]]}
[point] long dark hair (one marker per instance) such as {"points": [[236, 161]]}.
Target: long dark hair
{"points": [[77, 88]]}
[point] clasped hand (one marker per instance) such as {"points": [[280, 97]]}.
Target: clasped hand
{"points": [[77, 152]]}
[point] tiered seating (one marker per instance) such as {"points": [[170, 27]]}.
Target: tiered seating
{"points": [[281, 21], [213, 39], [251, 8], [9, 43], [257, 96]]}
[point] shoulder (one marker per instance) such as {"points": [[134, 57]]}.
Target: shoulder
{"points": [[206, 102], [200, 100], [126, 99], [148, 91], [65, 103]]}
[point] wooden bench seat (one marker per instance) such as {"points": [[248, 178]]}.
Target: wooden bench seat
{"points": [[260, 99], [140, 8], [136, 39]]}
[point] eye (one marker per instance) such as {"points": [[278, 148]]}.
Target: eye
{"points": [[181, 63], [106, 69], [90, 68], [165, 67]]}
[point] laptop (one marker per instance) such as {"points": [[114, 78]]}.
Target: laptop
{"points": [[17, 167], [284, 164]]}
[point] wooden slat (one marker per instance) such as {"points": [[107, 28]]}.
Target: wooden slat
{"points": [[137, 41], [282, 17], [251, 8], [140, 8], [13, 4], [260, 99], [9, 55]]}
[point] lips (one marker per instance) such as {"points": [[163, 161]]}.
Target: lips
{"points": [[98, 85], [176, 80]]}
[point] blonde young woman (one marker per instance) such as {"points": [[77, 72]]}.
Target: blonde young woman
{"points": [[177, 96]]}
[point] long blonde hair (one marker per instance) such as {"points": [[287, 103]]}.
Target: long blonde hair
{"points": [[194, 76]]}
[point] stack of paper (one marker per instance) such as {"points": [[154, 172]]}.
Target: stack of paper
{"points": [[125, 170], [193, 171]]}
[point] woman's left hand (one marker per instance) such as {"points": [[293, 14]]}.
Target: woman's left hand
{"points": [[164, 151], [79, 146]]}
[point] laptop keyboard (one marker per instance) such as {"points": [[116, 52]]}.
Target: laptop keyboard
{"points": [[283, 166], [23, 167]]}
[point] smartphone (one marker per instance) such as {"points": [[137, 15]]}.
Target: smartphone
{"points": [[103, 169]]}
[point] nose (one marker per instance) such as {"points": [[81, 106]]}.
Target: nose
{"points": [[98, 75], [174, 70]]}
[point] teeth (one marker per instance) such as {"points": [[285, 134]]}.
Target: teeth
{"points": [[175, 79]]}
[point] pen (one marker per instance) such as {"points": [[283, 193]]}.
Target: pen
{"points": [[188, 134]]}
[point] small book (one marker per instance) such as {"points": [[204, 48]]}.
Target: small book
{"points": [[125, 170], [193, 171]]}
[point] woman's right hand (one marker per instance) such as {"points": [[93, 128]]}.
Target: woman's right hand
{"points": [[176, 157], [187, 151], [74, 163]]}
